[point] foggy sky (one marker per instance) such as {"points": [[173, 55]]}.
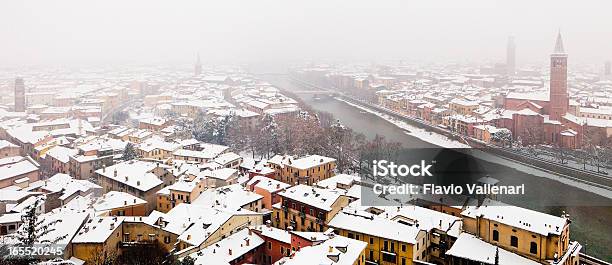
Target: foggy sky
{"points": [[65, 32]]}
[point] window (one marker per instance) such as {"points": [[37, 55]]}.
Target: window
{"points": [[167, 239], [533, 248], [404, 247], [350, 235], [495, 235], [388, 257], [514, 241], [371, 240]]}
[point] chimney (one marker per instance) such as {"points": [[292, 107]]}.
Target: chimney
{"points": [[134, 200], [124, 202], [247, 240], [188, 237], [138, 183], [268, 223], [115, 173], [112, 226], [250, 232], [331, 249], [230, 251]]}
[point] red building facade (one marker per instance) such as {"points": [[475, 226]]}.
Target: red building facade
{"points": [[539, 118]]}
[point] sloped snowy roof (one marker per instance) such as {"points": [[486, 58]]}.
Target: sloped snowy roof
{"points": [[472, 248], [116, 199], [367, 223], [337, 250], [316, 197], [228, 249], [530, 220]]}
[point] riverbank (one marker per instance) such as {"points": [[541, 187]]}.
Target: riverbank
{"points": [[448, 139], [427, 136], [445, 142]]}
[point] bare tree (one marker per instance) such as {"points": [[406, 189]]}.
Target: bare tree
{"points": [[33, 228]]}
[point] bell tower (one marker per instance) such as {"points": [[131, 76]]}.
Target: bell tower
{"points": [[559, 101]]}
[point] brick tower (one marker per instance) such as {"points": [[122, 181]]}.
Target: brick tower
{"points": [[19, 95], [559, 101]]}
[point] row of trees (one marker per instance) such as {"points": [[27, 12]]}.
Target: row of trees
{"points": [[301, 134]]}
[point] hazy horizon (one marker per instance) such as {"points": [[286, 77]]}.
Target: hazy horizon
{"points": [[270, 32]]}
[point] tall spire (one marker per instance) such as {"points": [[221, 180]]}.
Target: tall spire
{"points": [[198, 66], [559, 45]]}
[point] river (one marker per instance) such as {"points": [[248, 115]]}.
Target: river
{"points": [[590, 224]]}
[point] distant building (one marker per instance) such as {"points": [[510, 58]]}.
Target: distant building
{"points": [[198, 67], [511, 56], [19, 95], [539, 117], [608, 68], [8, 149], [17, 170]]}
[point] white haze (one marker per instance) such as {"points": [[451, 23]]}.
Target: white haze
{"points": [[91, 32]]}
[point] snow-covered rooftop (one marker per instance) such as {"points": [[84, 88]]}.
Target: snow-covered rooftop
{"points": [[134, 173], [530, 220], [229, 249], [337, 250], [472, 248], [316, 197], [116, 199], [367, 223]]}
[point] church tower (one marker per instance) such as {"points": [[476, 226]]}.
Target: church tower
{"points": [[198, 67], [559, 101]]}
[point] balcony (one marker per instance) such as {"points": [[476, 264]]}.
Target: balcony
{"points": [[135, 243]]}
